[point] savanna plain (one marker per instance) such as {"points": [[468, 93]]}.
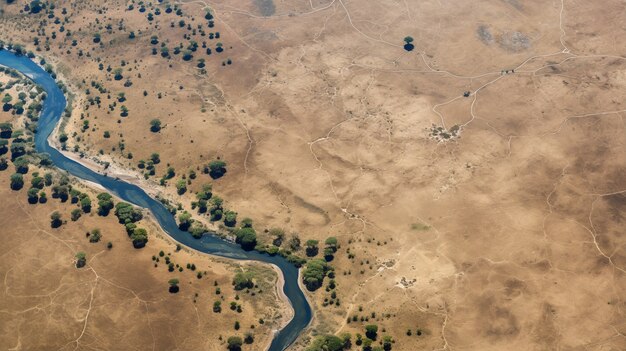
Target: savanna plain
{"points": [[448, 175]]}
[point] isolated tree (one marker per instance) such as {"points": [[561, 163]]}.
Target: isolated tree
{"points": [[97, 37], [234, 343], [117, 74], [155, 125], [248, 338], [217, 306], [55, 219], [95, 236], [81, 259], [173, 285], [17, 181], [181, 186], [217, 169], [124, 111], [408, 43]]}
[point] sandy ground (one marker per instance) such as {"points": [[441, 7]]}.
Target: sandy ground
{"points": [[508, 236]]}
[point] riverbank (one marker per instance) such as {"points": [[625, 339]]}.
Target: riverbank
{"points": [[132, 191]]}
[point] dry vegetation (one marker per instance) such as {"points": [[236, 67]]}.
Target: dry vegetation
{"points": [[509, 234]]}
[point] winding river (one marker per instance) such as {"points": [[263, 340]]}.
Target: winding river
{"points": [[53, 108]]}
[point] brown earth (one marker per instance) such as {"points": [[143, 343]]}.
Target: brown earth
{"points": [[508, 236]]}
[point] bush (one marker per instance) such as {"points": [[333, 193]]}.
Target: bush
{"points": [[95, 236]]}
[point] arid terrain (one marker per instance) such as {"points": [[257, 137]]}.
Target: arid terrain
{"points": [[476, 183]]}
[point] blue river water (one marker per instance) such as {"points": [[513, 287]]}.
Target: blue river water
{"points": [[53, 108]]}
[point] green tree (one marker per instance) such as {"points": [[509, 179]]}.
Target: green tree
{"points": [[155, 158], [127, 213], [75, 214], [246, 237], [234, 343], [17, 181], [248, 338], [184, 221], [55, 219], [124, 111], [33, 195], [243, 280], [95, 236], [230, 218], [326, 343], [387, 343], [181, 186], [205, 193], [314, 273], [217, 306], [81, 259], [85, 203], [105, 204], [139, 237], [311, 247], [37, 182], [117, 74], [21, 165], [408, 43], [197, 229], [217, 169], [155, 125], [371, 331], [173, 285]]}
